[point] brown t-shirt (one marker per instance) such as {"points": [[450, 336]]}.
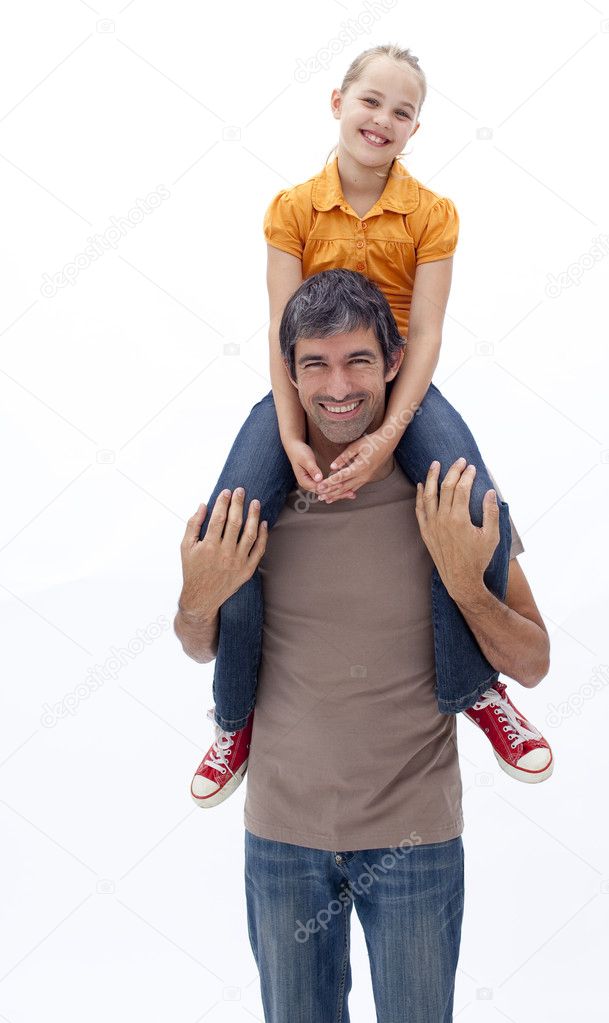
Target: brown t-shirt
{"points": [[349, 750]]}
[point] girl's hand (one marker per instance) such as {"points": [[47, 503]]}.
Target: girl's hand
{"points": [[304, 465], [356, 465]]}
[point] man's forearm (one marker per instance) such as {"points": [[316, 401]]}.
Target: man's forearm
{"points": [[513, 644], [197, 634]]}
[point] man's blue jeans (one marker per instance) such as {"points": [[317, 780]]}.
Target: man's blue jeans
{"points": [[258, 463], [409, 901]]}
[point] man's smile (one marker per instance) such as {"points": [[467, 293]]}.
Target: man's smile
{"points": [[348, 410]]}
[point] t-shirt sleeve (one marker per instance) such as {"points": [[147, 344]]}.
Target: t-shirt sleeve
{"points": [[439, 237], [517, 544], [283, 224]]}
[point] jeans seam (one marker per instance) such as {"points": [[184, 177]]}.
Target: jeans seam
{"points": [[439, 637], [341, 986]]}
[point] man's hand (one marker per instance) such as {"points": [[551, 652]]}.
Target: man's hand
{"points": [[461, 551], [214, 568], [356, 466]]}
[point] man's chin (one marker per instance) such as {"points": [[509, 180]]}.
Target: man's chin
{"points": [[342, 433]]}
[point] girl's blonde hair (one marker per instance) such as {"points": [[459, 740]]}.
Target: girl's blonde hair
{"points": [[361, 62]]}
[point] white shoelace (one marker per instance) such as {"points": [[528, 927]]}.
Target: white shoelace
{"points": [[221, 748], [517, 732]]}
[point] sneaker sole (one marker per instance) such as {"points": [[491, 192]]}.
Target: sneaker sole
{"points": [[223, 793], [519, 773]]}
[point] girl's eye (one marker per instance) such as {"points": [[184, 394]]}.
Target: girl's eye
{"points": [[369, 99]]}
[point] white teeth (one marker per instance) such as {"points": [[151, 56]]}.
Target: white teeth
{"points": [[341, 408], [375, 138]]}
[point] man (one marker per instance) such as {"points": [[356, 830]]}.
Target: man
{"points": [[354, 790]]}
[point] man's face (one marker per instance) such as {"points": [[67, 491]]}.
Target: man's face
{"points": [[338, 371]]}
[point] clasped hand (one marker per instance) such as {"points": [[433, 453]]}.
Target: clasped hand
{"points": [[355, 466]]}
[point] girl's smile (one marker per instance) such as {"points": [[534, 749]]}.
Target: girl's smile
{"points": [[374, 139]]}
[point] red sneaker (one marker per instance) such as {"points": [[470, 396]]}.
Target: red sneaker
{"points": [[519, 747], [224, 765]]}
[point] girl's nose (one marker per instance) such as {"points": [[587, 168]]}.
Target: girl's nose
{"points": [[381, 119]]}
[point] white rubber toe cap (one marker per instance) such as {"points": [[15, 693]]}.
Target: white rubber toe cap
{"points": [[535, 759], [207, 793], [203, 787]]}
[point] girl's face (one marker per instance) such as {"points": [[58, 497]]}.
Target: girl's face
{"points": [[377, 113]]}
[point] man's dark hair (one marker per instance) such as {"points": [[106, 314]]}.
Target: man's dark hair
{"points": [[338, 302]]}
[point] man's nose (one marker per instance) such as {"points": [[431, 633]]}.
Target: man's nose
{"points": [[339, 385]]}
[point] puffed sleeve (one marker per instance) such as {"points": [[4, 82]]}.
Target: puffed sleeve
{"points": [[439, 237], [283, 224]]}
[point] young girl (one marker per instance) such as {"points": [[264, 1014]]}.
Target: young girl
{"points": [[366, 213]]}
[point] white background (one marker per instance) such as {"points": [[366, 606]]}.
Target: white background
{"points": [[120, 899]]}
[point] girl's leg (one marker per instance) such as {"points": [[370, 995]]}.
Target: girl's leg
{"points": [[438, 432], [257, 462]]}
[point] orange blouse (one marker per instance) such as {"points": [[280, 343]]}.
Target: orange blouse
{"points": [[409, 224]]}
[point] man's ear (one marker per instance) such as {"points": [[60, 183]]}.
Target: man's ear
{"points": [[393, 372], [290, 377]]}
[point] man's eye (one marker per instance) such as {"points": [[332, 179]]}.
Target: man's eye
{"points": [[315, 365]]}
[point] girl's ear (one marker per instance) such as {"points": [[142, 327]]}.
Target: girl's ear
{"points": [[336, 103]]}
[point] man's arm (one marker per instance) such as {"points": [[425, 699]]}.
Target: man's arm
{"points": [[214, 568], [511, 635], [198, 636]]}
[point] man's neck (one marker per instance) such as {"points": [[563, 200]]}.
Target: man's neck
{"points": [[325, 453]]}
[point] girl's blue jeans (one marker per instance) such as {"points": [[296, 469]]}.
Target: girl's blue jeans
{"points": [[409, 900], [257, 462]]}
